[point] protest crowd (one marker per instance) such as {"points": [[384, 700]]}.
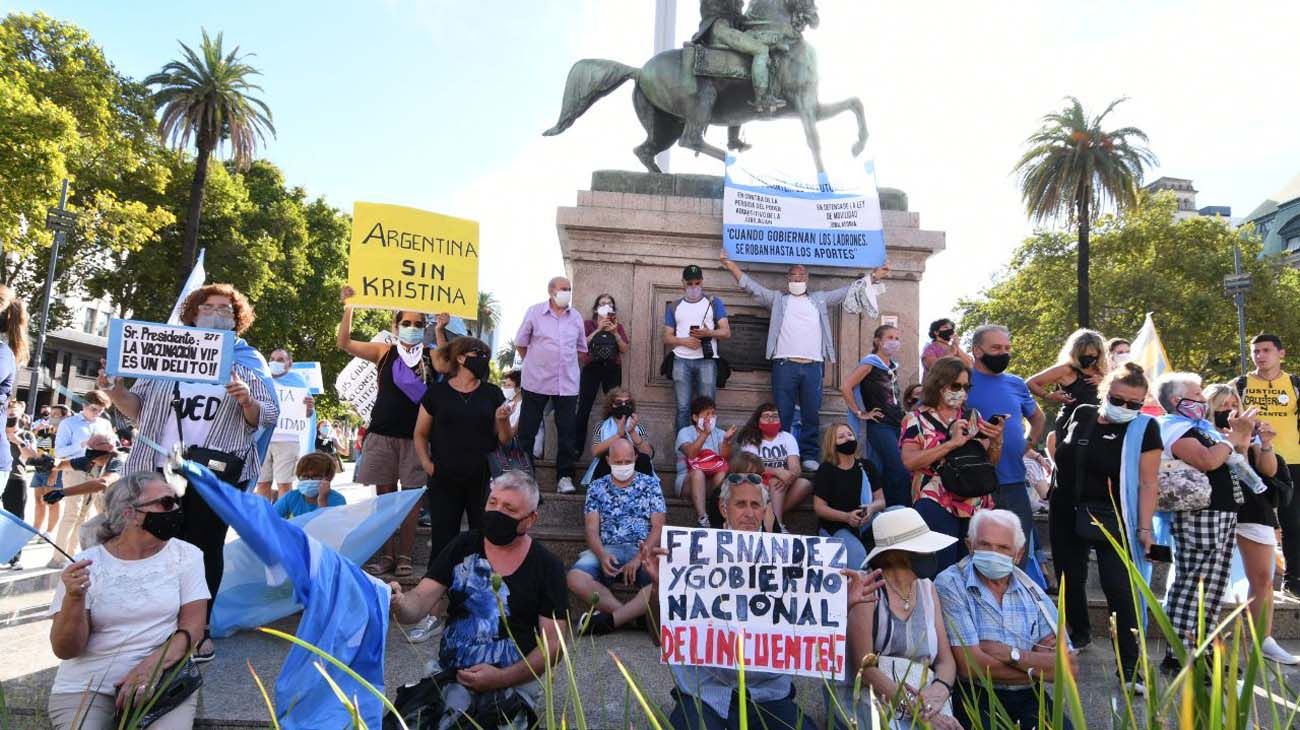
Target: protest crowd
{"points": [[928, 491]]}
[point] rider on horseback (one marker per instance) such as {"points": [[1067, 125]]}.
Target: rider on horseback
{"points": [[723, 24]]}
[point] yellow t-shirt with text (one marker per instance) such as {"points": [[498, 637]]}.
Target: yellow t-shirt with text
{"points": [[1276, 401]]}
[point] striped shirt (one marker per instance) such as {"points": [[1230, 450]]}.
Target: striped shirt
{"points": [[230, 432]]}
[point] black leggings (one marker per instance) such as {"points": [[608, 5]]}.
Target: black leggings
{"points": [[598, 376], [206, 531], [1070, 554], [447, 499], [15, 499]]}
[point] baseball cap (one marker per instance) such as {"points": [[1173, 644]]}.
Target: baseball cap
{"points": [[692, 272]]}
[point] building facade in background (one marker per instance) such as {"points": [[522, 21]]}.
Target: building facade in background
{"points": [[1278, 221]]}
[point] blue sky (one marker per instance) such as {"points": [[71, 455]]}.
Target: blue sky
{"points": [[440, 105]]}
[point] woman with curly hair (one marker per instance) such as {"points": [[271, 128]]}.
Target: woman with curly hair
{"points": [[231, 421]]}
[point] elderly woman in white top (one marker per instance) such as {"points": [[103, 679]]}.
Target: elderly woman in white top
{"points": [[127, 609], [913, 670]]}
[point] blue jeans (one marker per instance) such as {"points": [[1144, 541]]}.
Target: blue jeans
{"points": [[1015, 497], [691, 379], [941, 520], [623, 552], [795, 383], [888, 460], [856, 551], [689, 713]]}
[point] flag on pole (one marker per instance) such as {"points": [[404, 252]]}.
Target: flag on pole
{"points": [[198, 275], [1149, 352], [345, 610]]}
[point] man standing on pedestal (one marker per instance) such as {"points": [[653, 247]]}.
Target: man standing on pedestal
{"points": [[549, 341], [1275, 393], [799, 341], [692, 327]]}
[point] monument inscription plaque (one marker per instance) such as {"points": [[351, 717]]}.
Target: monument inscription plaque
{"points": [[747, 348]]}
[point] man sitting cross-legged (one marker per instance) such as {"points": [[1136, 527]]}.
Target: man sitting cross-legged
{"points": [[624, 512], [504, 590]]}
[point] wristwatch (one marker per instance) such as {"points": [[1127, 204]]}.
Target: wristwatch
{"points": [[1015, 657]]}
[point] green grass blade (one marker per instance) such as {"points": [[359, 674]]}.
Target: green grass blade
{"points": [[636, 692], [270, 707], [341, 667]]}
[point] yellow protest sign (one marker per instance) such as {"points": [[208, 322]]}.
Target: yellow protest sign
{"points": [[407, 258]]}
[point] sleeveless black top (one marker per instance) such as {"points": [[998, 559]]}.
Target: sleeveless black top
{"points": [[1081, 391], [394, 413]]}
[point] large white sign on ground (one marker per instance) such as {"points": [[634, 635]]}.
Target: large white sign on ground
{"points": [[781, 599]]}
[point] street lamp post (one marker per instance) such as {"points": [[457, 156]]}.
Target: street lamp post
{"points": [[59, 220], [1237, 284]]}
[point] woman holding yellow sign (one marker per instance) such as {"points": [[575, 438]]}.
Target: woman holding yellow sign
{"points": [[388, 456]]}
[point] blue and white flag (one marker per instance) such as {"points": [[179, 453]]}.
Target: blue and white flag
{"points": [[345, 611], [772, 217], [14, 534], [250, 597], [198, 275]]}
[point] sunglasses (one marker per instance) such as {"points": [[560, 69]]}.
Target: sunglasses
{"points": [[168, 503], [735, 479], [622, 402], [954, 387], [1118, 402], [217, 308], [408, 323]]}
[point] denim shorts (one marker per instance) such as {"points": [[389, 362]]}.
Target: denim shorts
{"points": [[40, 480], [587, 563]]}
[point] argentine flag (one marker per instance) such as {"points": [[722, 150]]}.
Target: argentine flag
{"points": [[1149, 352]]}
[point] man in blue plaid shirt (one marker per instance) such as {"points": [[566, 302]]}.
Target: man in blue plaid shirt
{"points": [[1000, 623]]}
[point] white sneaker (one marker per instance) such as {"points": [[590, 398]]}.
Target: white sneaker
{"points": [[1274, 652], [1139, 689], [566, 486], [424, 630], [810, 465]]}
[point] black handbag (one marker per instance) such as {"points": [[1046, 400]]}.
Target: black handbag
{"points": [[966, 471], [176, 684], [226, 466]]}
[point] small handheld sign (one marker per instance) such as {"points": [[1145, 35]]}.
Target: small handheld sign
{"points": [[169, 352]]}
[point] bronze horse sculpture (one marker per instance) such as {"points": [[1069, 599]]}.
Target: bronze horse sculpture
{"points": [[677, 105]]}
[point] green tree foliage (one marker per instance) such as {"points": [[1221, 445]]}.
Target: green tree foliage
{"points": [[1143, 262], [1073, 168], [66, 111]]}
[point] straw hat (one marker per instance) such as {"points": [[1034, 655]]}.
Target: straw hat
{"points": [[903, 529]]}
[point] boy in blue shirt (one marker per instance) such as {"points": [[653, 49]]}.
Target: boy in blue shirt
{"points": [[314, 472]]}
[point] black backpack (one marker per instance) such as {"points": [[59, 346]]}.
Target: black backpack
{"points": [[603, 346], [966, 472]]}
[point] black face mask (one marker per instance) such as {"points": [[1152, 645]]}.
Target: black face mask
{"points": [[164, 525], [848, 447], [621, 411], [925, 566], [499, 528], [1221, 418], [945, 335], [478, 366], [996, 363], [1087, 361]]}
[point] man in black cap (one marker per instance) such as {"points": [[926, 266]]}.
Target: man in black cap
{"points": [[693, 325]]}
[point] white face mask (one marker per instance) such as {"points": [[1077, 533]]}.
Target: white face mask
{"points": [[563, 297], [1117, 414], [797, 288], [706, 424], [278, 368], [509, 393], [1122, 357], [622, 472], [954, 399], [604, 310]]}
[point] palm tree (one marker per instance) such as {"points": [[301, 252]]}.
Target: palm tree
{"points": [[489, 312], [207, 97], [506, 356], [1073, 168]]}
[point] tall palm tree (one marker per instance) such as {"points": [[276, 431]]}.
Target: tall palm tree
{"points": [[1074, 168], [506, 356], [207, 97], [489, 312]]}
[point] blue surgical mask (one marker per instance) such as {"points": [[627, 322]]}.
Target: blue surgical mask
{"points": [[991, 565], [309, 488], [411, 335]]}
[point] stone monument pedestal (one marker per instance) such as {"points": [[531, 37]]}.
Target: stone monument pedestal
{"points": [[631, 235]]}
